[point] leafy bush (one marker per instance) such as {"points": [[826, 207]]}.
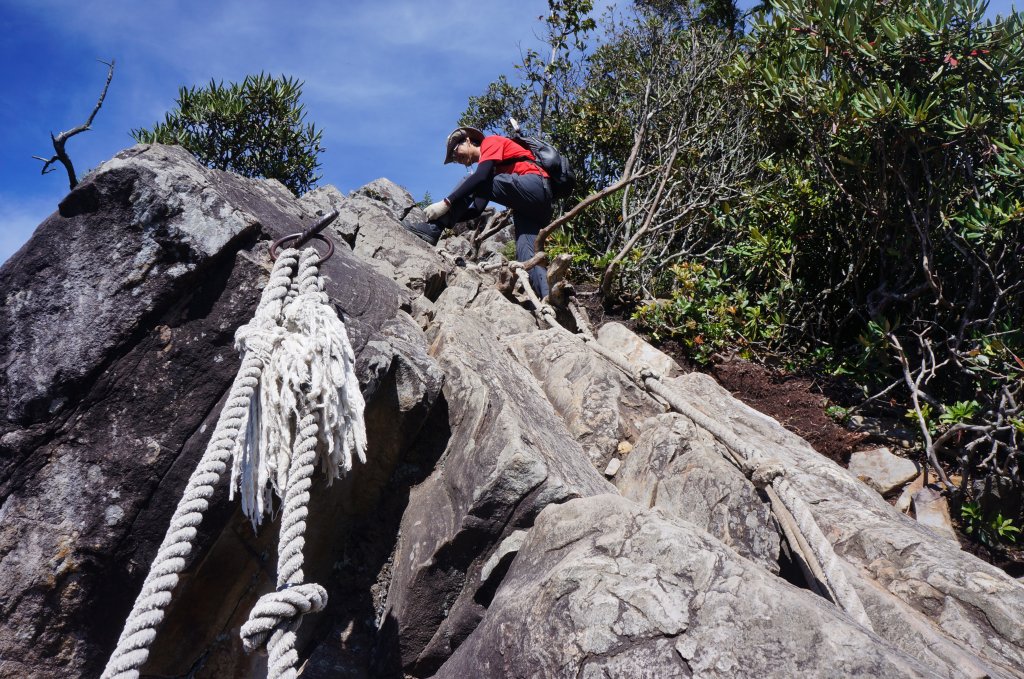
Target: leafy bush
{"points": [[710, 315], [255, 129], [842, 187], [894, 144]]}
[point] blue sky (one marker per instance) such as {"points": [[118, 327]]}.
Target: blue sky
{"points": [[386, 80]]}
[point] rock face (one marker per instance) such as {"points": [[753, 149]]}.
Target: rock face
{"points": [[674, 604], [600, 406], [921, 592], [638, 352], [368, 221], [931, 510], [676, 468], [509, 456], [117, 333], [481, 537]]}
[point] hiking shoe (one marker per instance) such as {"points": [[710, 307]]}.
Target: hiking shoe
{"points": [[425, 230]]}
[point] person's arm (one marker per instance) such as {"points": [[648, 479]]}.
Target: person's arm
{"points": [[475, 209], [482, 174]]}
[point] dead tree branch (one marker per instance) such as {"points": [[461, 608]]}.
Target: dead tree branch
{"points": [[606, 278], [628, 177], [497, 222], [60, 154], [914, 383]]}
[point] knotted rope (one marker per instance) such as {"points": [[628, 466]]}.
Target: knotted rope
{"points": [[795, 517], [314, 377], [250, 429]]}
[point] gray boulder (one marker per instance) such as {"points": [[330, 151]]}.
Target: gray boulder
{"points": [[679, 469], [388, 194], [508, 457], [882, 470], [117, 342], [325, 199], [375, 232], [603, 588], [599, 404], [638, 352], [471, 289], [921, 592]]}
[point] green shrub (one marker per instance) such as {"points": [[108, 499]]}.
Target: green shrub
{"points": [[990, 531], [255, 129], [868, 221], [892, 189]]}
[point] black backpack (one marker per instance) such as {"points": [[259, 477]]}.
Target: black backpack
{"points": [[560, 174]]}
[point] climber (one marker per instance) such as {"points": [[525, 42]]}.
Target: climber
{"points": [[507, 174]]}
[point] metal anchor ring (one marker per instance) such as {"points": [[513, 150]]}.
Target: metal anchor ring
{"points": [[312, 233]]}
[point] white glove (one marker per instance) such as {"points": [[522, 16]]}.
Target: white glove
{"points": [[435, 210]]}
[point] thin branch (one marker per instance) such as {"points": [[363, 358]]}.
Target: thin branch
{"points": [[61, 139], [914, 385], [606, 278]]}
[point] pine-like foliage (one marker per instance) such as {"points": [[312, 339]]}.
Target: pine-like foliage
{"points": [[255, 128]]}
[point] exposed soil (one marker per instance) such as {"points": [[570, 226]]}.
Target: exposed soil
{"points": [[794, 401], [1010, 558]]}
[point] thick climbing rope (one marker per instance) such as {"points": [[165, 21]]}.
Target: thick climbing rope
{"points": [[148, 612], [277, 615], [790, 508], [312, 367], [286, 310]]}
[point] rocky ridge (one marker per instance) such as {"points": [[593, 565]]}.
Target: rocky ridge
{"points": [[481, 538]]}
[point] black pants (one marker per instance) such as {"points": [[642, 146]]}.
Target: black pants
{"points": [[529, 199]]}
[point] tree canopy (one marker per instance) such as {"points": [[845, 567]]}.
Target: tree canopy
{"points": [[255, 128]]}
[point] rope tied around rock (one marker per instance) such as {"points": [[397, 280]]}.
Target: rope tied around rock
{"points": [[295, 401]]}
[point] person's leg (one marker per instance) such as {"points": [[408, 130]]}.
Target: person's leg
{"points": [[520, 192], [525, 249], [531, 211]]}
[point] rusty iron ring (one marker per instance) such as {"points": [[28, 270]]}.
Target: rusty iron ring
{"points": [[316, 236], [312, 233]]}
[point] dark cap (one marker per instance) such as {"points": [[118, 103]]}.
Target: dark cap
{"points": [[458, 135]]}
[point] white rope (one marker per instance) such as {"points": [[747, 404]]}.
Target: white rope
{"points": [[309, 388], [297, 375], [148, 612], [277, 615], [310, 364]]}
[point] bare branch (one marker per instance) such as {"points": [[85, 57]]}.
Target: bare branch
{"points": [[61, 139], [913, 384], [655, 203]]}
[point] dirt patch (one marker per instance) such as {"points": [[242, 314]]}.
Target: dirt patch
{"points": [[589, 299], [794, 401], [1009, 558]]}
